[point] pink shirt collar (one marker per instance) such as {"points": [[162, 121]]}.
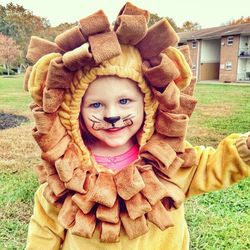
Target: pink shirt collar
{"points": [[118, 162]]}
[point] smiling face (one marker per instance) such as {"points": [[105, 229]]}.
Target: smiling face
{"points": [[113, 110]]}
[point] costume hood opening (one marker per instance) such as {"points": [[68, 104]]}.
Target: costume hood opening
{"points": [[126, 65]]}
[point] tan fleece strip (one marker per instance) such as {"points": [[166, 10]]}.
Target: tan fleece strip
{"points": [[186, 73], [243, 149], [67, 98]]}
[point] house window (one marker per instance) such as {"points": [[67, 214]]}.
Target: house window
{"points": [[193, 67], [228, 65], [230, 40], [194, 44]]}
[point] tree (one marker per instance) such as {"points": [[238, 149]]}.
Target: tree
{"points": [[190, 26], [173, 24], [240, 20], [19, 24], [9, 51], [51, 32], [155, 18]]}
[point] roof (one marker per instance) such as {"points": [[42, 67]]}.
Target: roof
{"points": [[215, 32]]}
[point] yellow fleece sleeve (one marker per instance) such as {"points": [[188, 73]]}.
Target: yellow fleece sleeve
{"points": [[44, 230], [217, 168]]}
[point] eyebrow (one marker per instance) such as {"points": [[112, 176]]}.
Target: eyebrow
{"points": [[99, 99]]}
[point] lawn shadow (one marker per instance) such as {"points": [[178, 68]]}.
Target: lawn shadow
{"points": [[8, 120]]}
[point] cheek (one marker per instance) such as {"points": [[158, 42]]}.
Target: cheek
{"points": [[87, 122], [139, 116]]}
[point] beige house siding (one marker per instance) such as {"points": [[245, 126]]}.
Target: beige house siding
{"points": [[209, 71], [195, 57], [229, 54], [226, 62], [210, 59]]}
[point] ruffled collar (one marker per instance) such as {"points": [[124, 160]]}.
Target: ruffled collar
{"points": [[141, 192]]}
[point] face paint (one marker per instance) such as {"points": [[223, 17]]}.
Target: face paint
{"points": [[99, 124], [128, 120], [112, 120], [113, 110]]}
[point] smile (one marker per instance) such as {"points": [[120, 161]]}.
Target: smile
{"points": [[113, 130]]}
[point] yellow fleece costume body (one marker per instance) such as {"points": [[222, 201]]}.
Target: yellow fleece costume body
{"points": [[83, 205], [216, 169]]}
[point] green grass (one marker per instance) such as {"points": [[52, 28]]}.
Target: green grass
{"points": [[16, 201], [221, 110], [218, 220], [12, 95], [233, 99]]}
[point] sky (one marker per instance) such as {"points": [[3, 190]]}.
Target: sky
{"points": [[208, 13]]}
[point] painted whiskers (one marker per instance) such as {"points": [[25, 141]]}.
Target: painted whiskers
{"points": [[99, 124]]}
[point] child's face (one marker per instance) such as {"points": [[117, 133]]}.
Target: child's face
{"points": [[113, 110]]}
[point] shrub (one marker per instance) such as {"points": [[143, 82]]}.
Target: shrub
{"points": [[4, 71]]}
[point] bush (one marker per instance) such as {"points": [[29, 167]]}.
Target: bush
{"points": [[4, 71], [15, 70]]}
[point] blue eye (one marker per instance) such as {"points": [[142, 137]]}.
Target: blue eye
{"points": [[95, 105], [124, 101]]}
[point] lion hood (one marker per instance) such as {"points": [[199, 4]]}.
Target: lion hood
{"points": [[61, 72]]}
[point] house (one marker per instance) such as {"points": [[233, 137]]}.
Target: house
{"points": [[220, 53]]}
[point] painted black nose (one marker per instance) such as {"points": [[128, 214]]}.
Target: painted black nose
{"points": [[112, 119]]}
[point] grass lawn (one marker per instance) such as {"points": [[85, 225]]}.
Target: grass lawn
{"points": [[219, 220], [12, 96]]}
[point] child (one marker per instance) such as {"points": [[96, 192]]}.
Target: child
{"points": [[111, 111]]}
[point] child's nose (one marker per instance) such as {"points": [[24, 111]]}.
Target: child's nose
{"points": [[112, 119], [111, 111]]}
